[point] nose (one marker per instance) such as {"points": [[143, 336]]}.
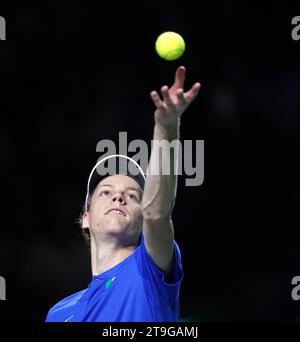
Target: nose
{"points": [[118, 198]]}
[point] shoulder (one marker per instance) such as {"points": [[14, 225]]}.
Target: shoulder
{"points": [[149, 268], [70, 300]]}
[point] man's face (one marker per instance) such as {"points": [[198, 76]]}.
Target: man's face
{"points": [[116, 209]]}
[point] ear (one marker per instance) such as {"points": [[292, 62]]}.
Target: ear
{"points": [[85, 220]]}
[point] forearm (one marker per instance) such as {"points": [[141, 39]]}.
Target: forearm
{"points": [[160, 188], [161, 181]]}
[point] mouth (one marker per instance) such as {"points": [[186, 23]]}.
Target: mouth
{"points": [[116, 212]]}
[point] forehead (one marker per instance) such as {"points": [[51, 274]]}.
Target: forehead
{"points": [[120, 181]]}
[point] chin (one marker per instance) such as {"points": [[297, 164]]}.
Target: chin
{"points": [[115, 224]]}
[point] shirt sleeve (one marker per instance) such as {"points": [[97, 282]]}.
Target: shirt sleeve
{"points": [[154, 278]]}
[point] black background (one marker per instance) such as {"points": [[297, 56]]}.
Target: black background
{"points": [[73, 73]]}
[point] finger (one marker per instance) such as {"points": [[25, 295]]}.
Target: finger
{"points": [[166, 96], [180, 97], [179, 77], [156, 99], [193, 92]]}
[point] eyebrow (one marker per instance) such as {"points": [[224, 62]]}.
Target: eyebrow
{"points": [[128, 188]]}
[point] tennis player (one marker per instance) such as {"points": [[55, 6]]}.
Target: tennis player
{"points": [[135, 261]]}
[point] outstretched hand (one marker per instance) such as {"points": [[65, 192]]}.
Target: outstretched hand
{"points": [[174, 100]]}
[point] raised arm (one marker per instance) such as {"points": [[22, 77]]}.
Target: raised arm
{"points": [[160, 189]]}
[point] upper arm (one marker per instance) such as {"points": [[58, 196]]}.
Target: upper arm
{"points": [[159, 242]]}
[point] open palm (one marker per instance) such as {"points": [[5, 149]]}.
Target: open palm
{"points": [[174, 100]]}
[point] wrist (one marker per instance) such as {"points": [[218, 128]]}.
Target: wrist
{"points": [[168, 132]]}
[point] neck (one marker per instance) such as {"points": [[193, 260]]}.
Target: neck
{"points": [[105, 255]]}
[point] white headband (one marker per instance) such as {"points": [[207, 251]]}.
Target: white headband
{"points": [[103, 160]]}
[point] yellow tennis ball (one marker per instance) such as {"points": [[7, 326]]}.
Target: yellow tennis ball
{"points": [[170, 46]]}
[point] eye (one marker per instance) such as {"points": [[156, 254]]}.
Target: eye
{"points": [[131, 196], [104, 193]]}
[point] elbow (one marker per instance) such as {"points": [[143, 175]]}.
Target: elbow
{"points": [[155, 215]]}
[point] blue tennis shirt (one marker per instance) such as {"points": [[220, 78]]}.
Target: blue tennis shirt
{"points": [[135, 290]]}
